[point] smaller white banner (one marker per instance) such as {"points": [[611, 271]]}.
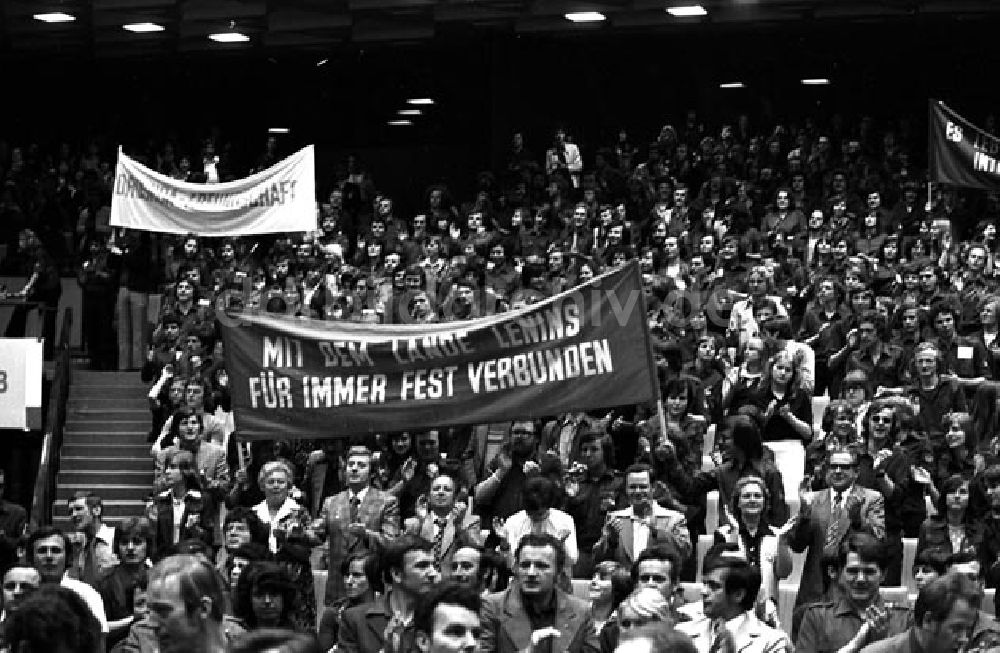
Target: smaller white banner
{"points": [[279, 199], [21, 367]]}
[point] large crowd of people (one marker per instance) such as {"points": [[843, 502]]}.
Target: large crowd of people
{"points": [[778, 266]]}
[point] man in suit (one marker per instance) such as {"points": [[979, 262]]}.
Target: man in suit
{"points": [[371, 517], [729, 593], [533, 614], [12, 521], [387, 624], [322, 477], [827, 516], [645, 523]]}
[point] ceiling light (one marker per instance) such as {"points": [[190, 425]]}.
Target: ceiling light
{"points": [[687, 11], [420, 101], [142, 28], [732, 85], [229, 37], [586, 17], [410, 112], [321, 62], [400, 123], [277, 130], [815, 81], [55, 17]]}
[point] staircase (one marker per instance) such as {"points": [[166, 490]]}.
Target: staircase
{"points": [[104, 445]]}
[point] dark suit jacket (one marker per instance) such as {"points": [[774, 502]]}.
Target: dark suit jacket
{"points": [[810, 533], [362, 629], [507, 628], [379, 512], [12, 520], [204, 530]]}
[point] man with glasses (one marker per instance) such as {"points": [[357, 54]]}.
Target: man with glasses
{"points": [[856, 616], [829, 515], [499, 495]]}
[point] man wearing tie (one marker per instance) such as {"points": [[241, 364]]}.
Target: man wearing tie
{"points": [[729, 593], [827, 516], [359, 518]]}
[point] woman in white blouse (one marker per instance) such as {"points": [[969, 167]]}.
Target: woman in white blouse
{"points": [[539, 516], [764, 546]]}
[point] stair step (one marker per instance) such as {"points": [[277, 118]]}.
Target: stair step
{"points": [[71, 476], [107, 421], [108, 403], [106, 437], [109, 464], [98, 391], [92, 377], [80, 448], [105, 490]]}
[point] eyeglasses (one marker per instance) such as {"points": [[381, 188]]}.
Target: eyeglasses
{"points": [[881, 420], [652, 578]]}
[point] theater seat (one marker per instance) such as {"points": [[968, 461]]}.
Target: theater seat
{"points": [[990, 602], [581, 588], [909, 555], [692, 592], [896, 595], [319, 588], [819, 405], [790, 459], [712, 511], [705, 542]]}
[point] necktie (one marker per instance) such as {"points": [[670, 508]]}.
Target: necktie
{"points": [[439, 523], [717, 641], [355, 502], [89, 563], [833, 531]]}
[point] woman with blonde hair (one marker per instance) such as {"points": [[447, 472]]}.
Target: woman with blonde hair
{"points": [[641, 607], [785, 406], [765, 547], [285, 528]]}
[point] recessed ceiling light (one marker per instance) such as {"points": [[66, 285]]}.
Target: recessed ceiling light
{"points": [[321, 62], [686, 11], [420, 101], [55, 17], [410, 112], [586, 17], [277, 130], [141, 28], [732, 85], [400, 123], [229, 37], [816, 81]]}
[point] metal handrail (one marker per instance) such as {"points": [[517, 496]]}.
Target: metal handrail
{"points": [[48, 463]]}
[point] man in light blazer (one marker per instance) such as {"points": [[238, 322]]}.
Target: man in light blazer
{"points": [[829, 515], [645, 523], [359, 518], [560, 621], [729, 594]]}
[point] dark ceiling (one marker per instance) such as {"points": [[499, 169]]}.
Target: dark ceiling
{"points": [[318, 26]]}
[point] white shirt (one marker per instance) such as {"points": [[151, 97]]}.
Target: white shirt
{"points": [[90, 597], [178, 514], [640, 527]]}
